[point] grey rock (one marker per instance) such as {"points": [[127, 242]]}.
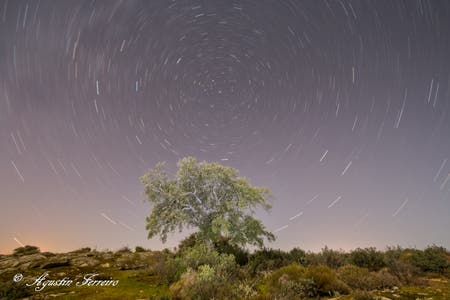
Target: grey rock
{"points": [[85, 262], [55, 262]]}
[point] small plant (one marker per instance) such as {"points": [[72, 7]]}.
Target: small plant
{"points": [[124, 250], [82, 250], [26, 250], [139, 249]]}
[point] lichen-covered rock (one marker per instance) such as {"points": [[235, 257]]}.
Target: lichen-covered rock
{"points": [[58, 261]]}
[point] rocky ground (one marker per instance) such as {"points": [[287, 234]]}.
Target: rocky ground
{"points": [[132, 270]]}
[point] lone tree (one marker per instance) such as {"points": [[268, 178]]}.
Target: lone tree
{"points": [[207, 196]]}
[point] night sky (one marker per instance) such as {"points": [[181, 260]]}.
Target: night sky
{"points": [[341, 108]]}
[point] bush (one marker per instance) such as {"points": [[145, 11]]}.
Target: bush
{"points": [[124, 250], [223, 246], [267, 260], [26, 250], [292, 272], [171, 267], [432, 259], [328, 257], [290, 282], [326, 281], [305, 282], [12, 290], [139, 249], [209, 275], [398, 262], [362, 279], [357, 278], [189, 242], [386, 280], [199, 255], [204, 283], [368, 258], [298, 256]]}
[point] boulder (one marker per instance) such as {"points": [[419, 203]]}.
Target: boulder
{"points": [[55, 262], [85, 262]]}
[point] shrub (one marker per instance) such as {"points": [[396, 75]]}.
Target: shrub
{"points": [[139, 249], [124, 250], [82, 250], [267, 260], [298, 256], [292, 272], [328, 257], [385, 279], [224, 246], [432, 259], [291, 282], [26, 250], [189, 242], [199, 255], [170, 269], [326, 281], [12, 290], [357, 277], [246, 288], [207, 281], [368, 258], [306, 282], [200, 284], [398, 262]]}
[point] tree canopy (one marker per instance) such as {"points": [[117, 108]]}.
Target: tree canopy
{"points": [[207, 196]]}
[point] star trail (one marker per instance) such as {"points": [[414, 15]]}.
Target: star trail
{"points": [[341, 108]]}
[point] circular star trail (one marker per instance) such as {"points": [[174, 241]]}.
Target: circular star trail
{"points": [[341, 108]]}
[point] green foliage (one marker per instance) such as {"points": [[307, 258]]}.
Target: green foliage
{"points": [[298, 256], [267, 259], [124, 250], [326, 281], [207, 196], [368, 258], [362, 279], [297, 282], [26, 250], [385, 279], [12, 290], [207, 274], [172, 267], [328, 257], [189, 242], [290, 282], [139, 249], [357, 278], [204, 283], [432, 259], [398, 262], [223, 245], [82, 250]]}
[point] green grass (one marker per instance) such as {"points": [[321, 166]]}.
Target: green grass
{"points": [[132, 285], [436, 289]]}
